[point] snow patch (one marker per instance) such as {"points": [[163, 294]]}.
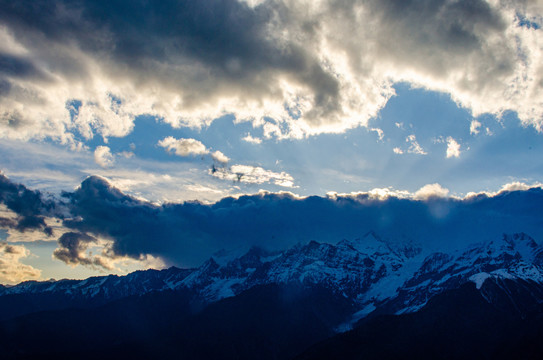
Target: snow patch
{"points": [[479, 279]]}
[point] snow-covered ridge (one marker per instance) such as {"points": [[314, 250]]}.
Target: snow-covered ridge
{"points": [[372, 272]]}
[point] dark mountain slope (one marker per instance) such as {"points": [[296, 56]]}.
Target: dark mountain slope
{"points": [[265, 322], [464, 323]]}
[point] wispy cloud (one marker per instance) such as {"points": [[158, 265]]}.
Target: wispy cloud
{"points": [[250, 139], [414, 146], [252, 175]]}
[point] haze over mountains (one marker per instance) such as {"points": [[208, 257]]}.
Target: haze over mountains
{"points": [[278, 304]]}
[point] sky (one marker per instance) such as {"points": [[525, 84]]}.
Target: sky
{"points": [[217, 122]]}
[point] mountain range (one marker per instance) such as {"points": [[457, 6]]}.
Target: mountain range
{"points": [[367, 297]]}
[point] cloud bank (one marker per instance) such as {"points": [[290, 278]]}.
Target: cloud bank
{"points": [[115, 226], [71, 70], [188, 233]]}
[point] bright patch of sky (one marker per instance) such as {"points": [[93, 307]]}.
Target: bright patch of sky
{"points": [[423, 138]]}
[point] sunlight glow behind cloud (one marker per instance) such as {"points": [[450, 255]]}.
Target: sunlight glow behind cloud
{"points": [[253, 175], [293, 68], [11, 269]]}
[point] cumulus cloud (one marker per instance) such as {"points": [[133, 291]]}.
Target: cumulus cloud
{"points": [[11, 269], [293, 68], [253, 175], [474, 127], [73, 248], [27, 208], [183, 147], [219, 157], [191, 147], [431, 191], [103, 156], [518, 186], [76, 248], [453, 148]]}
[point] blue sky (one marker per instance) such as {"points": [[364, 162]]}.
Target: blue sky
{"points": [[178, 101]]}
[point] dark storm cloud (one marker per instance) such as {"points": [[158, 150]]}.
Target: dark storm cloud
{"points": [[227, 36], [28, 205], [72, 248], [186, 234], [433, 34], [132, 31]]}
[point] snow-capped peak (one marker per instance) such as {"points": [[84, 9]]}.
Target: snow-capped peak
{"points": [[372, 272]]}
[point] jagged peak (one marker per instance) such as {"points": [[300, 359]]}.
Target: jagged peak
{"points": [[369, 244], [373, 234], [520, 237], [209, 264], [313, 243]]}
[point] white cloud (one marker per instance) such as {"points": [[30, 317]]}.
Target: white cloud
{"points": [[191, 147], [453, 148], [11, 269], [305, 71], [474, 127], [251, 139], [429, 191], [103, 156], [183, 147], [253, 175], [380, 133], [414, 146], [518, 186], [219, 157], [512, 186]]}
